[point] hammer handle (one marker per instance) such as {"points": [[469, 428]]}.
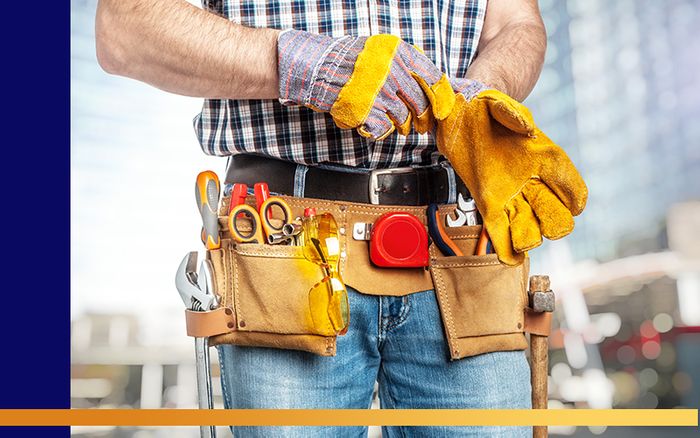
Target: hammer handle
{"points": [[538, 378]]}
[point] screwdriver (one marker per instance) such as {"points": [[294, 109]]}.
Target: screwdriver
{"points": [[206, 192]]}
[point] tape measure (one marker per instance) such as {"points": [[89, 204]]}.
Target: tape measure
{"points": [[399, 240]]}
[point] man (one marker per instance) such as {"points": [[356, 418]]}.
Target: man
{"points": [[240, 62]]}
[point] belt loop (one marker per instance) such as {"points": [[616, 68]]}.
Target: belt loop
{"points": [[451, 182], [300, 180]]}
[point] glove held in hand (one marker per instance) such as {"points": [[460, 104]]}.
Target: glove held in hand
{"points": [[524, 185]]}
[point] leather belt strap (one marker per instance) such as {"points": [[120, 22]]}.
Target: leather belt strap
{"points": [[397, 186], [538, 323], [205, 324]]}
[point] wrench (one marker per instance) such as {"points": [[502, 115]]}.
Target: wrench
{"points": [[196, 296], [197, 292], [465, 211]]}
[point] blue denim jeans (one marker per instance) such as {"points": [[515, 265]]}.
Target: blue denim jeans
{"points": [[397, 341]]}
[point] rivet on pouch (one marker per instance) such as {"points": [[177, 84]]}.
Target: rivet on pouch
{"points": [[342, 207], [228, 311], [241, 323], [520, 325], [230, 325]]}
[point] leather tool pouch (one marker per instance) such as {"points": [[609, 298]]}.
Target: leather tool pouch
{"points": [[264, 290], [267, 289], [482, 301]]}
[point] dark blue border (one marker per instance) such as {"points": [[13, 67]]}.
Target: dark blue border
{"points": [[35, 320]]}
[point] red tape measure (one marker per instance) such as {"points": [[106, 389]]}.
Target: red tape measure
{"points": [[399, 240]]}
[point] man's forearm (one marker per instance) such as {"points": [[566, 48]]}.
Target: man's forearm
{"points": [[511, 59], [185, 50]]}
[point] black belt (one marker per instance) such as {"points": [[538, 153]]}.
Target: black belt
{"points": [[396, 186]]}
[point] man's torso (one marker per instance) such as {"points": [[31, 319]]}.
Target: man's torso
{"points": [[446, 30]]}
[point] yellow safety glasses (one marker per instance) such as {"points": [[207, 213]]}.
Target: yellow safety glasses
{"points": [[328, 299]]}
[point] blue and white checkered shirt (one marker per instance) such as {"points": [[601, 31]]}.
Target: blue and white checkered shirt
{"points": [[447, 30]]}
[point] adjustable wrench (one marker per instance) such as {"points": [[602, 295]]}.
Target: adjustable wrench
{"points": [[197, 292]]}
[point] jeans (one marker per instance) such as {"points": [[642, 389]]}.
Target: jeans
{"points": [[396, 341]]}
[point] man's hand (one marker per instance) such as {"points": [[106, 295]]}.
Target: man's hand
{"points": [[375, 84], [182, 49], [524, 185]]}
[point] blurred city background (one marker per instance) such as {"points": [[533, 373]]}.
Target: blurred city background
{"points": [[619, 91]]}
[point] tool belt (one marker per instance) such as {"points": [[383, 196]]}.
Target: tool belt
{"points": [[396, 186], [263, 290]]}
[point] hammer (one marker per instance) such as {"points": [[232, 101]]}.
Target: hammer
{"points": [[541, 303]]}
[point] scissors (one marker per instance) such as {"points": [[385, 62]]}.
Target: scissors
{"points": [[258, 225]]}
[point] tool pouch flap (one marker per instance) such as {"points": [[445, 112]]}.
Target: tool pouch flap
{"points": [[481, 300], [267, 288]]}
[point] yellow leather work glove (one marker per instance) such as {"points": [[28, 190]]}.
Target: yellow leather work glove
{"points": [[524, 185]]}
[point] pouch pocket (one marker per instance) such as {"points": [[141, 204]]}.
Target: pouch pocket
{"points": [[482, 302], [267, 286]]}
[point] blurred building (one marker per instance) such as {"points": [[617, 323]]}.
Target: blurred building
{"points": [[112, 368], [620, 92]]}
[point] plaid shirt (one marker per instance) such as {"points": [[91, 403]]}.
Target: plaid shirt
{"points": [[447, 31]]}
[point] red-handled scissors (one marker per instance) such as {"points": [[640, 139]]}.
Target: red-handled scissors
{"points": [[258, 225]]}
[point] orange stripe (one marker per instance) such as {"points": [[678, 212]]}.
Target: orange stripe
{"points": [[348, 417]]}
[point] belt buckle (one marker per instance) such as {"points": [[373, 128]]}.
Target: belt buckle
{"points": [[374, 180]]}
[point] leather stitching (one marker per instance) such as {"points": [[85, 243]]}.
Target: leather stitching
{"points": [[236, 288], [466, 264], [448, 313]]}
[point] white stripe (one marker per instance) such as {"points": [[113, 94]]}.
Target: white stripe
{"points": [[456, 39], [233, 8], [443, 63], [311, 16], [285, 18], [394, 16]]}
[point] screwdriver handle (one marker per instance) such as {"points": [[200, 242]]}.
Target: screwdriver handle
{"points": [[207, 195]]}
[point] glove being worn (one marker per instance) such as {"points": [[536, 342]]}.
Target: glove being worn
{"points": [[376, 84], [524, 185]]}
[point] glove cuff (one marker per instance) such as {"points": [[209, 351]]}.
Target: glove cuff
{"points": [[470, 88], [313, 68]]}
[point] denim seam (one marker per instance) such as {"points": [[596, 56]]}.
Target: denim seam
{"points": [[380, 323], [391, 398], [300, 180], [224, 386], [403, 315]]}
